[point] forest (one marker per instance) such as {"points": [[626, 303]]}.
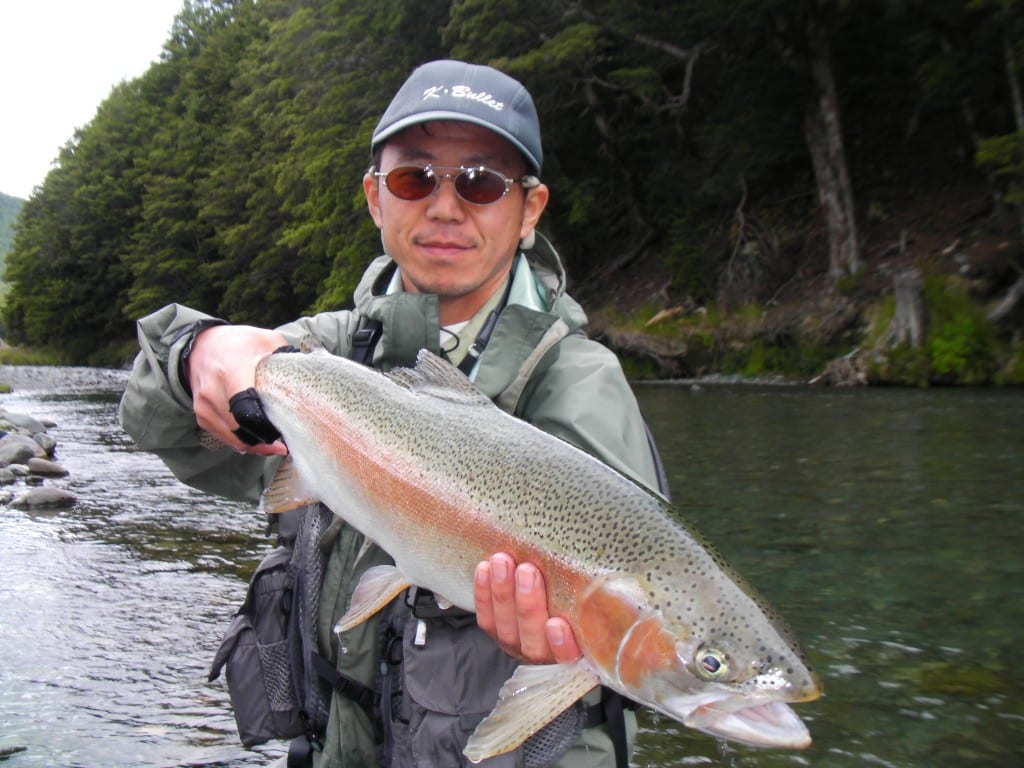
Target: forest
{"points": [[824, 189]]}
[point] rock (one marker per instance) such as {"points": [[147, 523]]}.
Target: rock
{"points": [[19, 470], [46, 468], [46, 442], [5, 496], [17, 449], [7, 477], [46, 497], [34, 480], [23, 421]]}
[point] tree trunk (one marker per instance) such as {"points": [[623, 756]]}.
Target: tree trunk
{"points": [[823, 131], [908, 319]]}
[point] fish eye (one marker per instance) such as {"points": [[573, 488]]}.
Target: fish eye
{"points": [[711, 664]]}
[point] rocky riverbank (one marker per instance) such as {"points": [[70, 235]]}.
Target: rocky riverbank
{"points": [[28, 465]]}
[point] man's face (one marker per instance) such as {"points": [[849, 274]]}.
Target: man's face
{"points": [[443, 244]]}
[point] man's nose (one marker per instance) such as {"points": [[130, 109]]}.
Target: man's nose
{"points": [[445, 201]]}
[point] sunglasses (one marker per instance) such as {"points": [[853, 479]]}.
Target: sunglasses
{"points": [[479, 186]]}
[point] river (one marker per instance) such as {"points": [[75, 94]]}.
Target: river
{"points": [[887, 526]]}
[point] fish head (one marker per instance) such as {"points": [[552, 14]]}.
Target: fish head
{"points": [[737, 685], [717, 659]]}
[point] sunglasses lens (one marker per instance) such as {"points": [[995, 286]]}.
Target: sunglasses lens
{"points": [[480, 186], [410, 182]]}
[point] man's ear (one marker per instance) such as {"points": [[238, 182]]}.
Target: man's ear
{"points": [[533, 207], [371, 188]]}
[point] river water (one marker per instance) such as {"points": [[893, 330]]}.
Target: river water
{"points": [[887, 525]]}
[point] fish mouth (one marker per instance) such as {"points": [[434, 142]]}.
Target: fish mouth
{"points": [[771, 724]]}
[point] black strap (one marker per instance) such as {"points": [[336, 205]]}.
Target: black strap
{"points": [[613, 711], [365, 339], [300, 753], [347, 686], [483, 338]]}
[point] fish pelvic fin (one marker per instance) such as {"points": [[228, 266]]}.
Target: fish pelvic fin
{"points": [[436, 377], [530, 699], [285, 491], [377, 587]]}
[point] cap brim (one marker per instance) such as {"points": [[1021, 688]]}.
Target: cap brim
{"points": [[444, 114]]}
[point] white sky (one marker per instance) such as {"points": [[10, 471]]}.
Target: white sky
{"points": [[59, 59]]}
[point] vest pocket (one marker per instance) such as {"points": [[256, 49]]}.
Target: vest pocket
{"points": [[254, 655], [451, 674]]}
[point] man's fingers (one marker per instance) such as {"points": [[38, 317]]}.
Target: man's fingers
{"points": [[561, 640], [512, 607], [482, 597], [531, 608]]}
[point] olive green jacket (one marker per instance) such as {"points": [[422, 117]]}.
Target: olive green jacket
{"points": [[535, 367]]}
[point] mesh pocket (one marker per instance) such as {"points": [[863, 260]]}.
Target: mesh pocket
{"points": [[277, 677], [552, 741]]}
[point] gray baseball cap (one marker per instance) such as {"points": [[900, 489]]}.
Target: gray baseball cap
{"points": [[471, 93]]}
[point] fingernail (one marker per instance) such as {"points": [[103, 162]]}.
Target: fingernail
{"points": [[499, 569], [526, 579]]}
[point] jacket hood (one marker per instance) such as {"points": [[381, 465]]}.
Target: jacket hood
{"points": [[544, 262]]}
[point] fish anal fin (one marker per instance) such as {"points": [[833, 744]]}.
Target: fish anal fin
{"points": [[530, 699], [285, 491], [377, 587]]}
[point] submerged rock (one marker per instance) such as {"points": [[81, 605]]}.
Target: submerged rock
{"points": [[45, 497], [46, 468]]}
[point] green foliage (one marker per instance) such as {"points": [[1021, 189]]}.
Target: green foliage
{"points": [[1013, 372], [229, 175], [961, 346], [10, 207], [33, 356], [1005, 155]]}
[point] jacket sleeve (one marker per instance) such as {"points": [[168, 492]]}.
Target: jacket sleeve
{"points": [[583, 397], [156, 411]]}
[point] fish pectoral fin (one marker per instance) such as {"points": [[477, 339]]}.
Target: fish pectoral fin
{"points": [[530, 699], [285, 491], [377, 587]]}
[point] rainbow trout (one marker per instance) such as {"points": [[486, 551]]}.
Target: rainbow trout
{"points": [[425, 465]]}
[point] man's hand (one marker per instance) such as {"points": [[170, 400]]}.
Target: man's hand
{"points": [[223, 363], [512, 607]]}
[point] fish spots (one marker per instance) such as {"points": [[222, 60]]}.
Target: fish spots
{"points": [[446, 476]]}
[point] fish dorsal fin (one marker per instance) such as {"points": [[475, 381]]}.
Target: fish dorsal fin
{"points": [[437, 377]]}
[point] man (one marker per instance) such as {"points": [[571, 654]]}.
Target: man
{"points": [[454, 189]]}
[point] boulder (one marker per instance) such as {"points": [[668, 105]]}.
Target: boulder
{"points": [[23, 421], [17, 449]]}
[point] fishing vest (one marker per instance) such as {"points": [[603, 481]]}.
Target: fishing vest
{"points": [[281, 687], [421, 721]]}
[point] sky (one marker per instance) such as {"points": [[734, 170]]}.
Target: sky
{"points": [[59, 59]]}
